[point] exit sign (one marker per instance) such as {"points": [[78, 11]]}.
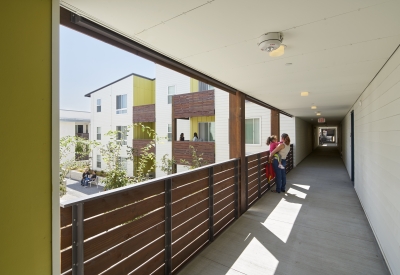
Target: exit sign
{"points": [[321, 120]]}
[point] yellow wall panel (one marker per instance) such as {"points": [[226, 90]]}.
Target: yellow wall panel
{"points": [[25, 197], [143, 91], [194, 123], [139, 134], [194, 85]]}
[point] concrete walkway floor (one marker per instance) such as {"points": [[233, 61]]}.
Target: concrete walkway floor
{"points": [[317, 227]]}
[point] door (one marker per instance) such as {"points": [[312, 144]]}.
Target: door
{"points": [[352, 144]]}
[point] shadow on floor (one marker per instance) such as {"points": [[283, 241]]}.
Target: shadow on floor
{"points": [[317, 227]]}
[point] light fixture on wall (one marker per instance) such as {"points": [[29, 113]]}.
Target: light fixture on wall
{"points": [[304, 93]]}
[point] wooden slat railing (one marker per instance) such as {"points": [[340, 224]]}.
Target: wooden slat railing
{"points": [[156, 226]]}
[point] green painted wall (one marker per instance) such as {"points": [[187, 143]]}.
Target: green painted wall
{"points": [[194, 123], [25, 110], [143, 91], [139, 134]]}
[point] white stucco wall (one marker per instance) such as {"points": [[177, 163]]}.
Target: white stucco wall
{"points": [[302, 141], [108, 119], [377, 181], [221, 125], [164, 78], [253, 110]]}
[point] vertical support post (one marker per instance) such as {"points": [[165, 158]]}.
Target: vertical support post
{"points": [[77, 239], [174, 137], [168, 225], [237, 142], [211, 203], [237, 214], [275, 123], [259, 174], [247, 184]]}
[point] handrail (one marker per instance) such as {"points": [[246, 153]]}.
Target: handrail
{"points": [[137, 185]]}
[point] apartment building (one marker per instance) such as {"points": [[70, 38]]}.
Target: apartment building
{"points": [[112, 110]]}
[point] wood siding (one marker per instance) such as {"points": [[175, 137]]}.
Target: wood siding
{"points": [[138, 144], [194, 104], [181, 150], [144, 113]]}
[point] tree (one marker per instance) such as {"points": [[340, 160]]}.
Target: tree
{"points": [[81, 148], [197, 160], [167, 164]]}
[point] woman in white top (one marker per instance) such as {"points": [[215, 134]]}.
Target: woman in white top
{"points": [[280, 174], [195, 138]]}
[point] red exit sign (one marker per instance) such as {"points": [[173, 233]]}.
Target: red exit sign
{"points": [[321, 120]]}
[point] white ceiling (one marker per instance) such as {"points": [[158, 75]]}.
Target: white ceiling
{"points": [[335, 47]]}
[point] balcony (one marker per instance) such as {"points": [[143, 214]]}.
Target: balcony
{"points": [[193, 104], [182, 150], [138, 144], [144, 113], [159, 225], [82, 135]]}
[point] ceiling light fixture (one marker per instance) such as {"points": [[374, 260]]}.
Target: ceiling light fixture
{"points": [[304, 93], [278, 52], [288, 64], [313, 107], [318, 114], [270, 41]]}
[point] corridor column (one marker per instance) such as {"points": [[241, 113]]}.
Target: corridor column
{"points": [[275, 123], [237, 148]]}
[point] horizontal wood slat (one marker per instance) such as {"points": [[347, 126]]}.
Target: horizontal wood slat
{"points": [[181, 150], [182, 230], [221, 195], [193, 104], [111, 238], [137, 259], [105, 204], [222, 203], [252, 164], [66, 237], [189, 213], [65, 216], [144, 113], [188, 189], [139, 144], [189, 250], [252, 177], [224, 175], [66, 260], [189, 201], [189, 237], [186, 178], [251, 158], [224, 222], [224, 184], [109, 220], [224, 166], [155, 266], [118, 253], [218, 216]]}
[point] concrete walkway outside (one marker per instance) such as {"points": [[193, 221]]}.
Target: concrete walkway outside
{"points": [[317, 227]]}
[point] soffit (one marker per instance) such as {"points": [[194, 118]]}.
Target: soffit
{"points": [[335, 47]]}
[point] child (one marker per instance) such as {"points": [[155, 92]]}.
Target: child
{"points": [[272, 142]]}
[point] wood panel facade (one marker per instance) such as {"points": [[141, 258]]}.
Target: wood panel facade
{"points": [[193, 104], [144, 113], [182, 150], [138, 144]]}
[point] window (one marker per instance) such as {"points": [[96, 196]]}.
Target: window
{"points": [[169, 132], [98, 133], [207, 131], [122, 134], [78, 129], [98, 161], [122, 162], [205, 87], [99, 105], [171, 92], [121, 104], [252, 129]]}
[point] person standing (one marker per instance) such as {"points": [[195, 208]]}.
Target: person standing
{"points": [[182, 137], [195, 137], [280, 174]]}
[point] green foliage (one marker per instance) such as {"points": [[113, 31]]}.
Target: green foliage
{"points": [[116, 178], [81, 148], [167, 164], [197, 160]]}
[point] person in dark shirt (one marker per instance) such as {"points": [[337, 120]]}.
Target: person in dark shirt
{"points": [[85, 174], [182, 137]]}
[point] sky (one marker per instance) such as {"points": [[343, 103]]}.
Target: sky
{"points": [[87, 64]]}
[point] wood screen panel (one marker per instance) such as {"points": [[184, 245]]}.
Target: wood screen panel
{"points": [[190, 212], [144, 113], [189, 201], [189, 237], [182, 150], [183, 229], [193, 104], [188, 189]]}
